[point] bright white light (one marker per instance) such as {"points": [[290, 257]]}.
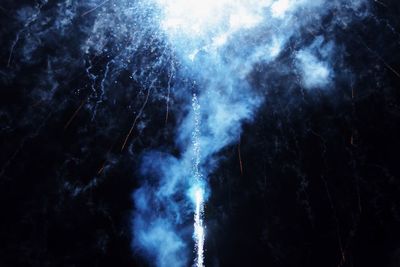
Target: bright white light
{"points": [[280, 7], [198, 227], [205, 18], [199, 195], [189, 15], [193, 27], [207, 25], [197, 191]]}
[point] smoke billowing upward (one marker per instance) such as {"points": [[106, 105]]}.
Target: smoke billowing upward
{"points": [[218, 45], [156, 93]]}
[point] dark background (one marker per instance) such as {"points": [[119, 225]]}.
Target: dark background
{"points": [[320, 177]]}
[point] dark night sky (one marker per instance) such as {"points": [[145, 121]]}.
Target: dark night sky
{"points": [[319, 183]]}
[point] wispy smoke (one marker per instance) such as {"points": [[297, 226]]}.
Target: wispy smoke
{"points": [[212, 48], [219, 43], [314, 64]]}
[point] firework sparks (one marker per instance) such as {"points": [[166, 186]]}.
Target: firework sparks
{"points": [[198, 192]]}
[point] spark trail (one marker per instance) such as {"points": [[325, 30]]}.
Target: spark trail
{"points": [[235, 51], [219, 45], [199, 232]]}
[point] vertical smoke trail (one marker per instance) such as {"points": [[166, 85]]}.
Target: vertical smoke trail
{"points": [[221, 47], [228, 47], [199, 232]]}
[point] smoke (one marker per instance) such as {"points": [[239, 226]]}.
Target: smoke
{"points": [[314, 64], [219, 45], [215, 49]]}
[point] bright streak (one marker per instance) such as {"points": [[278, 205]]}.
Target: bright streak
{"points": [[193, 27], [218, 44], [198, 227], [198, 192]]}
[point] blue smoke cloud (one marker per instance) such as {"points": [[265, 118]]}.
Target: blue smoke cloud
{"points": [[212, 47], [313, 63], [219, 45]]}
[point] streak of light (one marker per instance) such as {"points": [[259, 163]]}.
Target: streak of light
{"points": [[199, 232], [380, 58], [199, 228], [29, 21], [390, 67], [335, 217], [100, 171], [135, 121], [94, 9], [74, 115], [168, 99], [12, 49], [240, 158], [381, 3]]}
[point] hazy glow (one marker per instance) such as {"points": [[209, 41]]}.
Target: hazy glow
{"points": [[314, 73], [202, 19], [220, 45], [279, 8], [191, 15]]}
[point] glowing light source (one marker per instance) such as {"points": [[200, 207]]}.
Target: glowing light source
{"points": [[217, 44], [207, 19], [197, 191], [279, 8], [198, 227]]}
